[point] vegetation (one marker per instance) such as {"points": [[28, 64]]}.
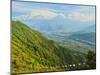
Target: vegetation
{"points": [[91, 60], [32, 52]]}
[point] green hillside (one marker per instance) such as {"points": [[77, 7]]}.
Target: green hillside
{"points": [[32, 52]]}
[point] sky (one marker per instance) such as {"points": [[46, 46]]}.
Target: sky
{"points": [[32, 12]]}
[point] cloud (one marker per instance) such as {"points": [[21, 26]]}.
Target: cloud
{"points": [[87, 9], [37, 14], [32, 13], [21, 8], [81, 13], [43, 13], [77, 16]]}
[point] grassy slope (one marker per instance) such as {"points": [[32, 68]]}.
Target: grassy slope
{"points": [[31, 51]]}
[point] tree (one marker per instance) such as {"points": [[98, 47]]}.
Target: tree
{"points": [[91, 60]]}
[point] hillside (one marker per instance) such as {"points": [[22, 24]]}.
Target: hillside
{"points": [[87, 38], [89, 29], [32, 52]]}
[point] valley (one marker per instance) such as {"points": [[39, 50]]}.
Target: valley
{"points": [[31, 52]]}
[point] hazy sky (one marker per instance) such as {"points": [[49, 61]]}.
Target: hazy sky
{"points": [[32, 12]]}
